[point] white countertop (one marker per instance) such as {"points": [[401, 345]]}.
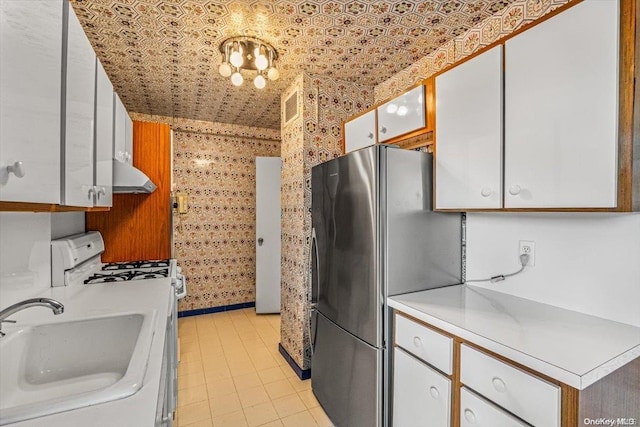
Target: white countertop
{"points": [[574, 348], [80, 301]]}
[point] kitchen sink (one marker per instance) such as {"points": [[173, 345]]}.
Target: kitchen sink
{"points": [[59, 366]]}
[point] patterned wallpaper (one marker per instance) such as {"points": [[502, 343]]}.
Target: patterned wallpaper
{"points": [[162, 55], [214, 163], [512, 17], [313, 137]]}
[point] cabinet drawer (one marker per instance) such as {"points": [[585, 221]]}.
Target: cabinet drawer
{"points": [[511, 388], [427, 344], [422, 396], [477, 412]]}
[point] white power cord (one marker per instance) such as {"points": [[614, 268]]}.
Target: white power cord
{"points": [[524, 259]]}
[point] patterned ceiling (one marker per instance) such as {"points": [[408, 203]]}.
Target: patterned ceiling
{"points": [[162, 55]]}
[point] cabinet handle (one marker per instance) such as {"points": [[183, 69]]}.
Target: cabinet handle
{"points": [[485, 192], [498, 384], [434, 392], [17, 169], [102, 192], [470, 416], [417, 341], [514, 190], [383, 130], [92, 191], [370, 136]]}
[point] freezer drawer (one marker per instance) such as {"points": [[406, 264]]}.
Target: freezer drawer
{"points": [[346, 376]]}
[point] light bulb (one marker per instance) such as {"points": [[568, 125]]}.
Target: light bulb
{"points": [[392, 108], [261, 62], [402, 110], [273, 73], [236, 59], [225, 69], [259, 82], [236, 79]]}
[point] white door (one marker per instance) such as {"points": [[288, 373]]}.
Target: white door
{"points": [[360, 132], [468, 156], [268, 234], [561, 105], [30, 100], [401, 115], [79, 118]]}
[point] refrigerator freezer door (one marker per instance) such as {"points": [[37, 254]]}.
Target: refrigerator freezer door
{"points": [[346, 376], [345, 219]]}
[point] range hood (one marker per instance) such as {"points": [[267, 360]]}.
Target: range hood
{"points": [[128, 179]]}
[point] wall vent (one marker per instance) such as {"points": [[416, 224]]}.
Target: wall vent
{"points": [[291, 107]]}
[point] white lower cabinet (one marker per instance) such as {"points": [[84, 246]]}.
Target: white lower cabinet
{"points": [[493, 392], [510, 387], [421, 395], [477, 412]]}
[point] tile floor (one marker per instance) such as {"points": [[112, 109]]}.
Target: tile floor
{"points": [[232, 375]]}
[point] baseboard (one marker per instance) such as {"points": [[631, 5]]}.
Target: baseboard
{"points": [[231, 307], [303, 374]]}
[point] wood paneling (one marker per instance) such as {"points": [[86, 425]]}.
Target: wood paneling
{"points": [[138, 226], [615, 396]]}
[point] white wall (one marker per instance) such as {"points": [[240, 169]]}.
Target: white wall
{"points": [[25, 254], [587, 262], [66, 224]]}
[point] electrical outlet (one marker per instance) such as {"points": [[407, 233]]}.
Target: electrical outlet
{"points": [[528, 247]]}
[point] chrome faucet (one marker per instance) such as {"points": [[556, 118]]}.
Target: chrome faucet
{"points": [[54, 305]]}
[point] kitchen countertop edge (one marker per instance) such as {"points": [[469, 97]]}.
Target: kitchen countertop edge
{"points": [[494, 344]]}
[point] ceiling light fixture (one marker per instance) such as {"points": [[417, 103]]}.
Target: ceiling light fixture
{"points": [[248, 53]]}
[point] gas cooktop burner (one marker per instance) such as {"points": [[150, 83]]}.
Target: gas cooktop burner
{"points": [[126, 275], [133, 265]]}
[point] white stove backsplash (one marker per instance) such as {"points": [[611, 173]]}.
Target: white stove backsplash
{"points": [[25, 255]]}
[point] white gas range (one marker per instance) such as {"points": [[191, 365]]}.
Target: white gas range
{"points": [[76, 261]]}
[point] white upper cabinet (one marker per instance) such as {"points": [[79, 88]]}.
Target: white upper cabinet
{"points": [[360, 132], [402, 115], [561, 104], [79, 115], [104, 138], [468, 160], [122, 132], [30, 100]]}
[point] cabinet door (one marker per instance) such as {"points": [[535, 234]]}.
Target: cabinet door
{"points": [[402, 115], [561, 110], [30, 99], [468, 156], [80, 98], [421, 396], [360, 132], [104, 137], [119, 129], [477, 412]]}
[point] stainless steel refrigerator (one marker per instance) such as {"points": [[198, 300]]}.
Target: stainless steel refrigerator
{"points": [[374, 235]]}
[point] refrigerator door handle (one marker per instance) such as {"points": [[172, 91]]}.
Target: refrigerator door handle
{"points": [[314, 262]]}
